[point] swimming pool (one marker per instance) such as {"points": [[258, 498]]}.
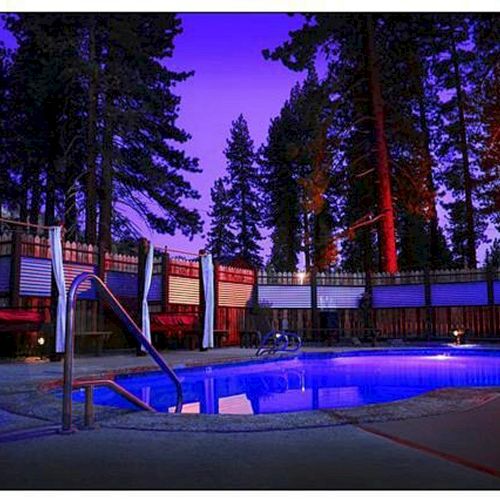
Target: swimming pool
{"points": [[310, 381]]}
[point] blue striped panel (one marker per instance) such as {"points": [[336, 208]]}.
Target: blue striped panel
{"points": [[155, 290], [398, 296], [496, 292], [71, 271], [5, 273], [36, 277], [339, 297], [285, 296], [460, 294], [122, 284]]}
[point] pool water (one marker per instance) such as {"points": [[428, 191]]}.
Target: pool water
{"points": [[310, 381]]}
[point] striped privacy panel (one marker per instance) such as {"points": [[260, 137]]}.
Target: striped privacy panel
{"points": [[71, 271], [496, 292], [339, 297], [285, 296], [154, 294], [122, 284], [36, 277], [182, 290], [398, 296], [234, 294], [5, 273], [460, 294]]}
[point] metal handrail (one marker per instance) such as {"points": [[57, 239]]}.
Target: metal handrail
{"points": [[130, 325], [111, 384], [89, 385]]}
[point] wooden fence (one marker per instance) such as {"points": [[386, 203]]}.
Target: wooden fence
{"points": [[413, 304]]}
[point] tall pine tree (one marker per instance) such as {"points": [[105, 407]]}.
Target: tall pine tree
{"points": [[351, 43], [296, 164], [244, 199], [93, 132], [221, 240], [486, 77], [457, 149]]}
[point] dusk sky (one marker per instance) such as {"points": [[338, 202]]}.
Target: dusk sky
{"points": [[231, 77]]}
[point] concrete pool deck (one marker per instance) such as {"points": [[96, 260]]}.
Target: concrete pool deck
{"points": [[442, 440]]}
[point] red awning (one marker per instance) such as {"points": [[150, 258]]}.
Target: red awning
{"points": [[16, 316], [173, 321]]}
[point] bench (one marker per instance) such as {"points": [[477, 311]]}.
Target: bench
{"points": [[220, 337], [181, 329]]}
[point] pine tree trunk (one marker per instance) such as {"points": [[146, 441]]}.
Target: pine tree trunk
{"points": [[50, 199], [70, 211], [90, 179], [244, 231], [35, 197], [424, 125], [387, 237], [469, 208], [307, 243], [23, 202], [106, 187]]}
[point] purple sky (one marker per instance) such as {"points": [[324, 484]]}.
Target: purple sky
{"points": [[231, 77]]}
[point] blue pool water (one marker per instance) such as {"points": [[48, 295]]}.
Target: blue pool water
{"points": [[311, 381]]}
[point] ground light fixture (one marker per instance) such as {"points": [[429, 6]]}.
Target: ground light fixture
{"points": [[41, 343], [458, 335]]}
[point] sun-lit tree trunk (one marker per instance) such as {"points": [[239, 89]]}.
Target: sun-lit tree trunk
{"points": [[387, 235]]}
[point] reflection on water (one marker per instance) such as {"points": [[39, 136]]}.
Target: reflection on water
{"points": [[308, 383]]}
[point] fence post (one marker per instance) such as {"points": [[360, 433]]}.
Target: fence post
{"points": [[201, 312], [429, 316], [314, 299], [490, 277], [54, 299], [141, 272], [165, 264], [216, 293], [15, 270], [101, 272], [255, 290], [371, 316]]}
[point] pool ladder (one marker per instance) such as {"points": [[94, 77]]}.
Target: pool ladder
{"points": [[69, 384], [279, 341]]}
